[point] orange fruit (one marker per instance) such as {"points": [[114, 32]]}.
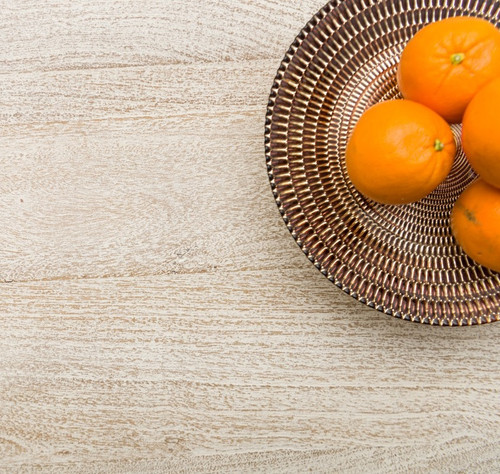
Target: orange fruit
{"points": [[399, 152], [447, 62], [475, 223], [481, 133]]}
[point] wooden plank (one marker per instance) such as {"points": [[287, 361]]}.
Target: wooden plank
{"points": [[103, 188], [234, 363], [85, 34]]}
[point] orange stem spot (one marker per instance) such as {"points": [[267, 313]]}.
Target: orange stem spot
{"points": [[438, 145], [457, 58]]}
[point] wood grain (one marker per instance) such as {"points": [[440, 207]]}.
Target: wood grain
{"points": [[168, 367], [155, 313], [136, 193]]}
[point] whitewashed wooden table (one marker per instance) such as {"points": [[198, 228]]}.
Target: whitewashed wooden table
{"points": [[155, 313]]}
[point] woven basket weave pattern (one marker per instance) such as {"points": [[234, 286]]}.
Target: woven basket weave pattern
{"points": [[401, 260]]}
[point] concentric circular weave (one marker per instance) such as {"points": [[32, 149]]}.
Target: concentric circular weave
{"points": [[401, 260]]}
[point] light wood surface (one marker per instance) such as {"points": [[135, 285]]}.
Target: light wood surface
{"points": [[155, 313]]}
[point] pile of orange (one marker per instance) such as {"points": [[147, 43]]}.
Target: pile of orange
{"points": [[401, 150]]}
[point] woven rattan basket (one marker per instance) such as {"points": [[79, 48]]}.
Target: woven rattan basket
{"points": [[401, 260]]}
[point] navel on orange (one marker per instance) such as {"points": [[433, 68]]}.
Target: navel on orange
{"points": [[475, 223], [447, 62], [399, 152]]}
